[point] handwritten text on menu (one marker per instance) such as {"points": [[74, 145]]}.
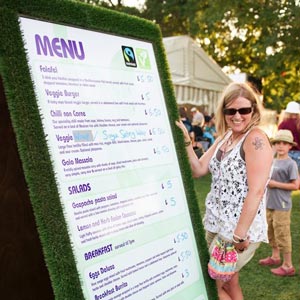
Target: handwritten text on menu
{"points": [[110, 140]]}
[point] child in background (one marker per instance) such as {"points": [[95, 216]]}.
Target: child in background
{"points": [[284, 179]]}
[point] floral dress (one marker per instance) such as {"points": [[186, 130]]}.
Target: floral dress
{"points": [[225, 200]]}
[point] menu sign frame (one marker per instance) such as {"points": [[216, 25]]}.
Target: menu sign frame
{"points": [[103, 117]]}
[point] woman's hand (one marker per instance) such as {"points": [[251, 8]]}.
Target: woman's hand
{"points": [[241, 246], [184, 130], [199, 166]]}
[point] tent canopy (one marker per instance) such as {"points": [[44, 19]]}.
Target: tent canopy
{"points": [[198, 80]]}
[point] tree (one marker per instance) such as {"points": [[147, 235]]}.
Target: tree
{"points": [[257, 37], [175, 17], [115, 5]]}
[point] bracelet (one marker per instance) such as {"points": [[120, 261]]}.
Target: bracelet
{"points": [[235, 241], [187, 143], [239, 239]]}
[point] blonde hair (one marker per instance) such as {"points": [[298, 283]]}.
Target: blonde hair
{"points": [[233, 91]]}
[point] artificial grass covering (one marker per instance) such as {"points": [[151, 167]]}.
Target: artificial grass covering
{"points": [[31, 140]]}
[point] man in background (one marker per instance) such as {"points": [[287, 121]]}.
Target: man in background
{"points": [[197, 117]]}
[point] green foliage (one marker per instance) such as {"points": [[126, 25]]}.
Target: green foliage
{"points": [[175, 17], [119, 6], [259, 38]]}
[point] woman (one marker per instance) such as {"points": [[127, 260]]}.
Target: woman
{"points": [[240, 162]]}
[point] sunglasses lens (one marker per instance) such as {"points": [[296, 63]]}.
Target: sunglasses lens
{"points": [[229, 111], [241, 111], [245, 110]]}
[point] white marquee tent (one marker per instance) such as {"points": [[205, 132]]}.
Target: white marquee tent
{"points": [[198, 80]]}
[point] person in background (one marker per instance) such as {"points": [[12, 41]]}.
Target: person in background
{"points": [[198, 117], [212, 125], [284, 179], [209, 129], [190, 128], [198, 122], [240, 162], [185, 120], [292, 123]]}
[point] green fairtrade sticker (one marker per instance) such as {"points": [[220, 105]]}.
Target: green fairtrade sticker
{"points": [[143, 58]]}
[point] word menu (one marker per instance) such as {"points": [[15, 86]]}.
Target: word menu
{"points": [[106, 125]]}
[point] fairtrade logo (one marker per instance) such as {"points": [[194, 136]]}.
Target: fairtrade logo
{"points": [[129, 56], [143, 58]]}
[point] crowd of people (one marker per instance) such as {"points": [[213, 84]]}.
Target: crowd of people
{"points": [[201, 128], [252, 179]]}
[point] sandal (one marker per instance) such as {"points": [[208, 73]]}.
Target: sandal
{"points": [[269, 261], [283, 272]]}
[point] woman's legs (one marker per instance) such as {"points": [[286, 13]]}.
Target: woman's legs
{"points": [[222, 290], [230, 290], [234, 288]]}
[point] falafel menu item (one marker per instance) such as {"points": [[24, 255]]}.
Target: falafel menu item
{"points": [[109, 137]]}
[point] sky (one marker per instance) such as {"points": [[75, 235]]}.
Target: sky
{"points": [[134, 3]]}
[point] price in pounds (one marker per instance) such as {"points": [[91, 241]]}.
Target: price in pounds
{"points": [[167, 185], [157, 131], [185, 273], [146, 96], [143, 78], [140, 78], [170, 201], [161, 150], [153, 112], [181, 237], [184, 255]]}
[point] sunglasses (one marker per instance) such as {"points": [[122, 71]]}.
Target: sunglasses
{"points": [[241, 111]]}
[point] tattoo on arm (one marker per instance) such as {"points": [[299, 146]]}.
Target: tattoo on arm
{"points": [[258, 143]]}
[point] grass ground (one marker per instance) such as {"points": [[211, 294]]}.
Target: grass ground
{"points": [[258, 282]]}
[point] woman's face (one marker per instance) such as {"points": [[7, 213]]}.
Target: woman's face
{"points": [[239, 121]]}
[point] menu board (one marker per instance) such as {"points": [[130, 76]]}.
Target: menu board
{"points": [[109, 137]]}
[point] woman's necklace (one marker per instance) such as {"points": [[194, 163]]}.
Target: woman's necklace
{"points": [[229, 142], [231, 139], [227, 145]]}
